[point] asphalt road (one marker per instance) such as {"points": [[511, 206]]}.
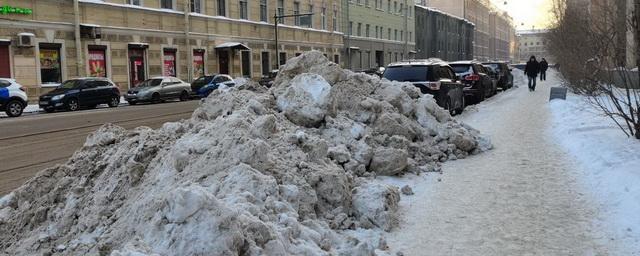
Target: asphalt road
{"points": [[31, 143]]}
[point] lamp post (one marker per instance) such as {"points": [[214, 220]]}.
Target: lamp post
{"points": [[276, 18]]}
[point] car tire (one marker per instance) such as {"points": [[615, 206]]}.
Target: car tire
{"points": [[184, 96], [155, 98], [14, 108], [72, 104], [114, 102]]}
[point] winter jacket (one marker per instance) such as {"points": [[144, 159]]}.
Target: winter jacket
{"points": [[532, 68], [544, 66]]}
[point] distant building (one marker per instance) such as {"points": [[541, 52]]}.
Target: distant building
{"points": [[493, 28], [533, 42], [378, 32], [442, 35]]}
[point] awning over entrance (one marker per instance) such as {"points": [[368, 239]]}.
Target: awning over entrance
{"points": [[233, 45]]}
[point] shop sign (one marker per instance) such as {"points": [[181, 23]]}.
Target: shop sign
{"points": [[97, 64], [4, 10]]}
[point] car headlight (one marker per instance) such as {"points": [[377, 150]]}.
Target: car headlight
{"points": [[58, 97]]}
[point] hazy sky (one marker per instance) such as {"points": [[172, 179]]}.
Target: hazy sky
{"points": [[530, 12]]}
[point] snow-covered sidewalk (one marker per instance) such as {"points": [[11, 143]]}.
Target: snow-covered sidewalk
{"points": [[522, 198]]}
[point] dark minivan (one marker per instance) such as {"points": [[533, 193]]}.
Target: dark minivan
{"points": [[431, 76], [81, 92], [477, 82]]}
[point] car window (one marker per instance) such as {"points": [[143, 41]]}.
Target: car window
{"points": [[442, 73], [462, 68], [451, 73], [202, 80], [218, 79], [409, 73], [69, 84], [90, 84], [225, 79], [4, 83], [175, 80], [150, 83]]}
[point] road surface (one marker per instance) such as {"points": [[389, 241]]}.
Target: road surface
{"points": [[31, 143]]}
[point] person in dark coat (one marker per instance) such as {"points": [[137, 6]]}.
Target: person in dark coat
{"points": [[531, 70], [543, 69]]}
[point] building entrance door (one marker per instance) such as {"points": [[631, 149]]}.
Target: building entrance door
{"points": [[5, 65], [380, 58], [136, 67], [223, 61]]}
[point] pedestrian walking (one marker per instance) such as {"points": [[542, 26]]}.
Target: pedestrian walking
{"points": [[543, 69], [531, 70]]}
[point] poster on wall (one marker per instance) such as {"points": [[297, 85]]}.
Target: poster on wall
{"points": [[97, 63], [169, 63], [198, 64], [50, 65]]}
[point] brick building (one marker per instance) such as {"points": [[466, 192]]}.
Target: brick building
{"points": [[130, 40]]}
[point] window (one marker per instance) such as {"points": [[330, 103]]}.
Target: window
{"points": [[296, 10], [283, 58], [401, 11], [335, 19], [350, 28], [336, 58], [410, 36], [376, 31], [389, 5], [389, 37], [395, 35], [222, 7], [280, 10], [196, 6], [266, 63], [367, 30], [395, 8], [134, 2], [97, 61], [359, 29], [323, 17], [166, 4], [244, 10], [401, 35], [263, 11], [307, 21], [50, 65], [246, 63], [169, 62]]}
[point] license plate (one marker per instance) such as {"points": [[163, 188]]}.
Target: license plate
{"points": [[44, 103]]}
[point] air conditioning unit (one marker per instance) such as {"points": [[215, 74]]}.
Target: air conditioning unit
{"points": [[90, 31], [26, 40]]}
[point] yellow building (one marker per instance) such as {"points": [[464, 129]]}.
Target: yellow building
{"points": [[45, 42]]}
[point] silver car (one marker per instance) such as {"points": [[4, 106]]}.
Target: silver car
{"points": [[158, 89]]}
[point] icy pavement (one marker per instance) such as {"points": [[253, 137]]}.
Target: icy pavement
{"points": [[522, 198]]}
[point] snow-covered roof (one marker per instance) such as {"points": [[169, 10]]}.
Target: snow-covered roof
{"points": [[431, 9], [233, 45]]}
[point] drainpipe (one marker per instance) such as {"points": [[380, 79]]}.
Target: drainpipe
{"points": [[79, 58], [187, 11], [406, 28]]}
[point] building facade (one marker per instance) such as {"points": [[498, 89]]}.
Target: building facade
{"points": [[131, 40], [378, 32], [492, 27], [441, 35], [533, 43]]}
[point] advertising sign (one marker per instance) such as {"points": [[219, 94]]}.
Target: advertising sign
{"points": [[198, 64], [169, 63], [97, 63]]}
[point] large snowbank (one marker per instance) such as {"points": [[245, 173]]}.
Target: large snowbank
{"points": [[611, 162], [285, 171]]}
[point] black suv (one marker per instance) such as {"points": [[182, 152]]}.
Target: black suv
{"points": [[81, 92], [504, 73], [432, 76], [477, 82]]}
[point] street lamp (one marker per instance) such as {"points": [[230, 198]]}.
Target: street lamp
{"points": [[276, 18]]}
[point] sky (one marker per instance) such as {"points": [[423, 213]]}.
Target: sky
{"points": [[530, 12]]}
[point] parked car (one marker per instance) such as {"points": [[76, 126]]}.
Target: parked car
{"points": [[495, 77], [13, 98], [204, 85], [431, 76], [506, 78], [81, 92], [267, 80], [477, 83], [158, 89]]}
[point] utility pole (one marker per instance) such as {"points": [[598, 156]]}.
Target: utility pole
{"points": [[76, 25], [276, 18]]}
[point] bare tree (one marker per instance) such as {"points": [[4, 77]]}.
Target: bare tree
{"points": [[590, 45]]}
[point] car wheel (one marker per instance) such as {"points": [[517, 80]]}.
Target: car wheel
{"points": [[72, 105], [155, 98], [14, 108], [184, 96], [114, 102]]}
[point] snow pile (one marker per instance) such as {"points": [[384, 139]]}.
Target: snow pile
{"points": [[289, 170]]}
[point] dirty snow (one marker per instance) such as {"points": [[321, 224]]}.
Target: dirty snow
{"points": [[246, 174], [524, 197]]}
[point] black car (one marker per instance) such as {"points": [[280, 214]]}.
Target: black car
{"points": [[495, 77], [431, 76], [81, 92], [504, 72], [477, 82]]}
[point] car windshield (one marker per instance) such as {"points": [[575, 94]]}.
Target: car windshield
{"points": [[494, 66], [409, 73], [69, 84], [150, 83], [462, 68], [203, 80]]}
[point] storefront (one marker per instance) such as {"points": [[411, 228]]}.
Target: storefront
{"points": [[169, 62], [5, 61], [137, 64], [97, 61], [50, 63], [198, 63]]}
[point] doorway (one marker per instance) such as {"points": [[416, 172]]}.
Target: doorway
{"points": [[380, 58], [245, 58], [5, 65], [137, 67], [223, 61]]}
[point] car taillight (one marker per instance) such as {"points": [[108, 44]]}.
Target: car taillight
{"points": [[472, 77], [433, 85]]}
